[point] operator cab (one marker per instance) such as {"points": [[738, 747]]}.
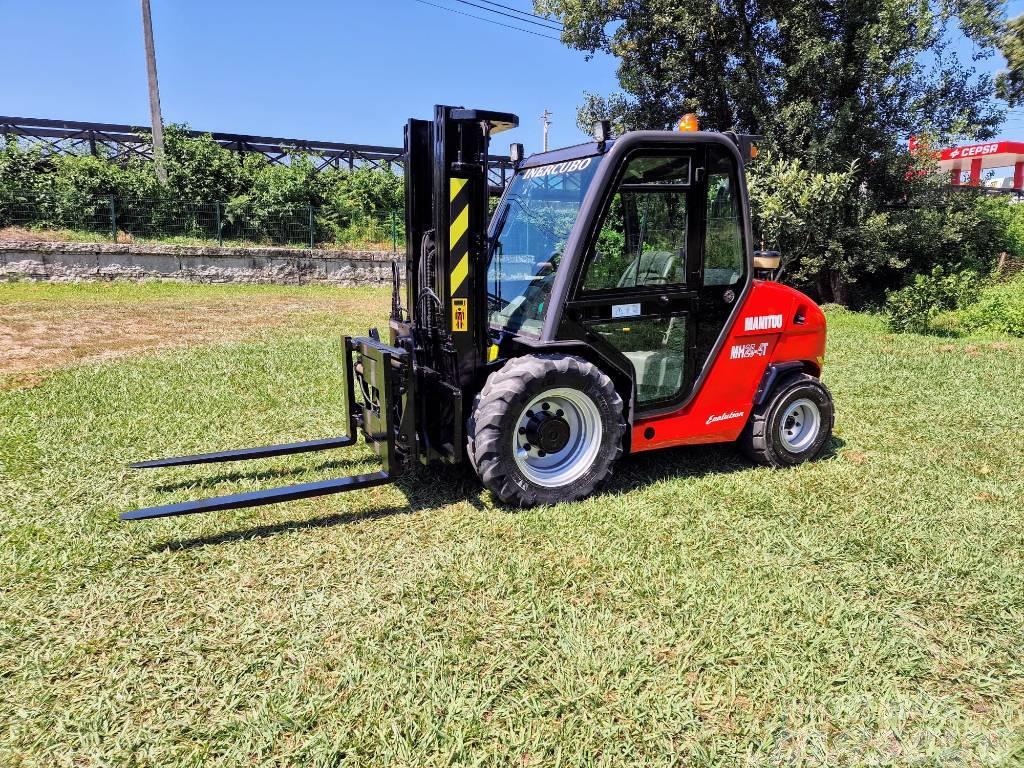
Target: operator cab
{"points": [[636, 247]]}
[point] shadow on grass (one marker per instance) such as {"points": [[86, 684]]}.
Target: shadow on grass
{"points": [[423, 489], [427, 489], [265, 474], [690, 461]]}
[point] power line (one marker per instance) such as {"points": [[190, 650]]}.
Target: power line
{"points": [[524, 13], [490, 21], [509, 15]]}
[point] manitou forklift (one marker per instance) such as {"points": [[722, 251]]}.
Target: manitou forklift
{"points": [[612, 304]]}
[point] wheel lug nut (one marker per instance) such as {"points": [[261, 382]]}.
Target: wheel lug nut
{"points": [[529, 414], [541, 454], [522, 430], [527, 447], [546, 406], [559, 412]]}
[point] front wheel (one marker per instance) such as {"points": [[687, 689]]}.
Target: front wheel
{"points": [[793, 426], [545, 429]]}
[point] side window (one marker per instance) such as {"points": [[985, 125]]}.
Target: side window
{"points": [[724, 258], [642, 240]]}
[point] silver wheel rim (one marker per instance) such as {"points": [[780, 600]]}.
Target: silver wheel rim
{"points": [[800, 424], [555, 470]]}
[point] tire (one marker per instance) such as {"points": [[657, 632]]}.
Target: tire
{"points": [[562, 403], [792, 426]]}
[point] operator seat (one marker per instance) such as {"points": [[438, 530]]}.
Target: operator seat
{"points": [[651, 268]]}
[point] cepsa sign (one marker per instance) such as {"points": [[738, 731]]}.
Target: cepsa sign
{"points": [[975, 150]]}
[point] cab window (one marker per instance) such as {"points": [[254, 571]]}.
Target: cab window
{"points": [[724, 258], [531, 227], [642, 240]]}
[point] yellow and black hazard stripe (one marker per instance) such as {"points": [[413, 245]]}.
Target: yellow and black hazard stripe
{"points": [[458, 248]]}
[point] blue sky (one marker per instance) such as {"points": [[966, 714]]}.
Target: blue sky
{"points": [[323, 69], [341, 70]]}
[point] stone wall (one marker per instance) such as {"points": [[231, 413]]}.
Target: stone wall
{"points": [[67, 262]]}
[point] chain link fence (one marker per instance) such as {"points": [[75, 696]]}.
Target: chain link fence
{"points": [[79, 218]]}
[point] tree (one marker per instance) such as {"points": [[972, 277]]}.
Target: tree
{"points": [[1010, 84], [801, 214], [833, 86], [198, 169]]}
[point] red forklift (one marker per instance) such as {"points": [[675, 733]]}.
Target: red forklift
{"points": [[612, 304]]}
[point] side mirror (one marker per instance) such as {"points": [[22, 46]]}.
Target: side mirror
{"points": [[766, 263]]}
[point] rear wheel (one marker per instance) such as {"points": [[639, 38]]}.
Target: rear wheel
{"points": [[793, 426], [545, 429]]}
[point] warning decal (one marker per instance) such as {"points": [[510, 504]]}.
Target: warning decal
{"points": [[458, 244], [460, 314]]}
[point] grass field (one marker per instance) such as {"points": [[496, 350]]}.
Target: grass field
{"points": [[864, 610]]}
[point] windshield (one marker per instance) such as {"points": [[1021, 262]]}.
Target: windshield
{"points": [[532, 226]]}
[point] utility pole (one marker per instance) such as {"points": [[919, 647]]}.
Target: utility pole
{"points": [[546, 119], [154, 95]]}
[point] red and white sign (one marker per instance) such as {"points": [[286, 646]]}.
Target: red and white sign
{"points": [[978, 157], [1011, 148]]}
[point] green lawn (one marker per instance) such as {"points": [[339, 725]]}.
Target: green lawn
{"points": [[866, 609]]}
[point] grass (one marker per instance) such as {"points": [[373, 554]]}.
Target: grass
{"points": [[867, 609], [48, 325]]}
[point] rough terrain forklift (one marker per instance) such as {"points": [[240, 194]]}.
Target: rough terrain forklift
{"points": [[612, 304]]}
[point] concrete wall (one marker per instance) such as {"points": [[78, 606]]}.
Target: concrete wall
{"points": [[67, 262]]}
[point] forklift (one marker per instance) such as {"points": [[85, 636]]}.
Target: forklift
{"points": [[612, 304]]}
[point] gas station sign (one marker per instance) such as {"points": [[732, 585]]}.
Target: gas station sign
{"points": [[978, 157]]}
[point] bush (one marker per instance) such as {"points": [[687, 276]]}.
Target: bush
{"points": [[913, 308], [800, 214], [258, 200], [999, 309]]}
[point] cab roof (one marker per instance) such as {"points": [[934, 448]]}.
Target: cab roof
{"points": [[740, 141]]}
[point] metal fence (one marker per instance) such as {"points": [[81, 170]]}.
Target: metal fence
{"points": [[81, 218], [116, 141]]}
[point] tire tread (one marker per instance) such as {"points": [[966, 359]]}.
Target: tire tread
{"points": [[496, 398], [755, 440]]}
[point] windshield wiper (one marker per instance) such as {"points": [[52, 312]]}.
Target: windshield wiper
{"points": [[498, 226]]}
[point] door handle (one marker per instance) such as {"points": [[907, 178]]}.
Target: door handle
{"points": [[664, 300]]}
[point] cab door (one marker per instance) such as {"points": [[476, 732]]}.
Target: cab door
{"points": [[724, 271], [636, 297], [665, 270]]}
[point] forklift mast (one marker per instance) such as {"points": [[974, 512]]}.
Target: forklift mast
{"points": [[444, 323], [407, 398]]}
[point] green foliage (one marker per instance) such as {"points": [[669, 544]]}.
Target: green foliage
{"points": [[998, 310], [800, 213], [1010, 83], [913, 307], [832, 237], [612, 259], [259, 200], [723, 240], [20, 167], [1013, 216], [835, 89], [199, 170]]}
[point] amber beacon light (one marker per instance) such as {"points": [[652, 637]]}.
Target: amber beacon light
{"points": [[688, 123]]}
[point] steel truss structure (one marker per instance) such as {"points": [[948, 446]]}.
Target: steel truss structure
{"points": [[119, 142]]}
